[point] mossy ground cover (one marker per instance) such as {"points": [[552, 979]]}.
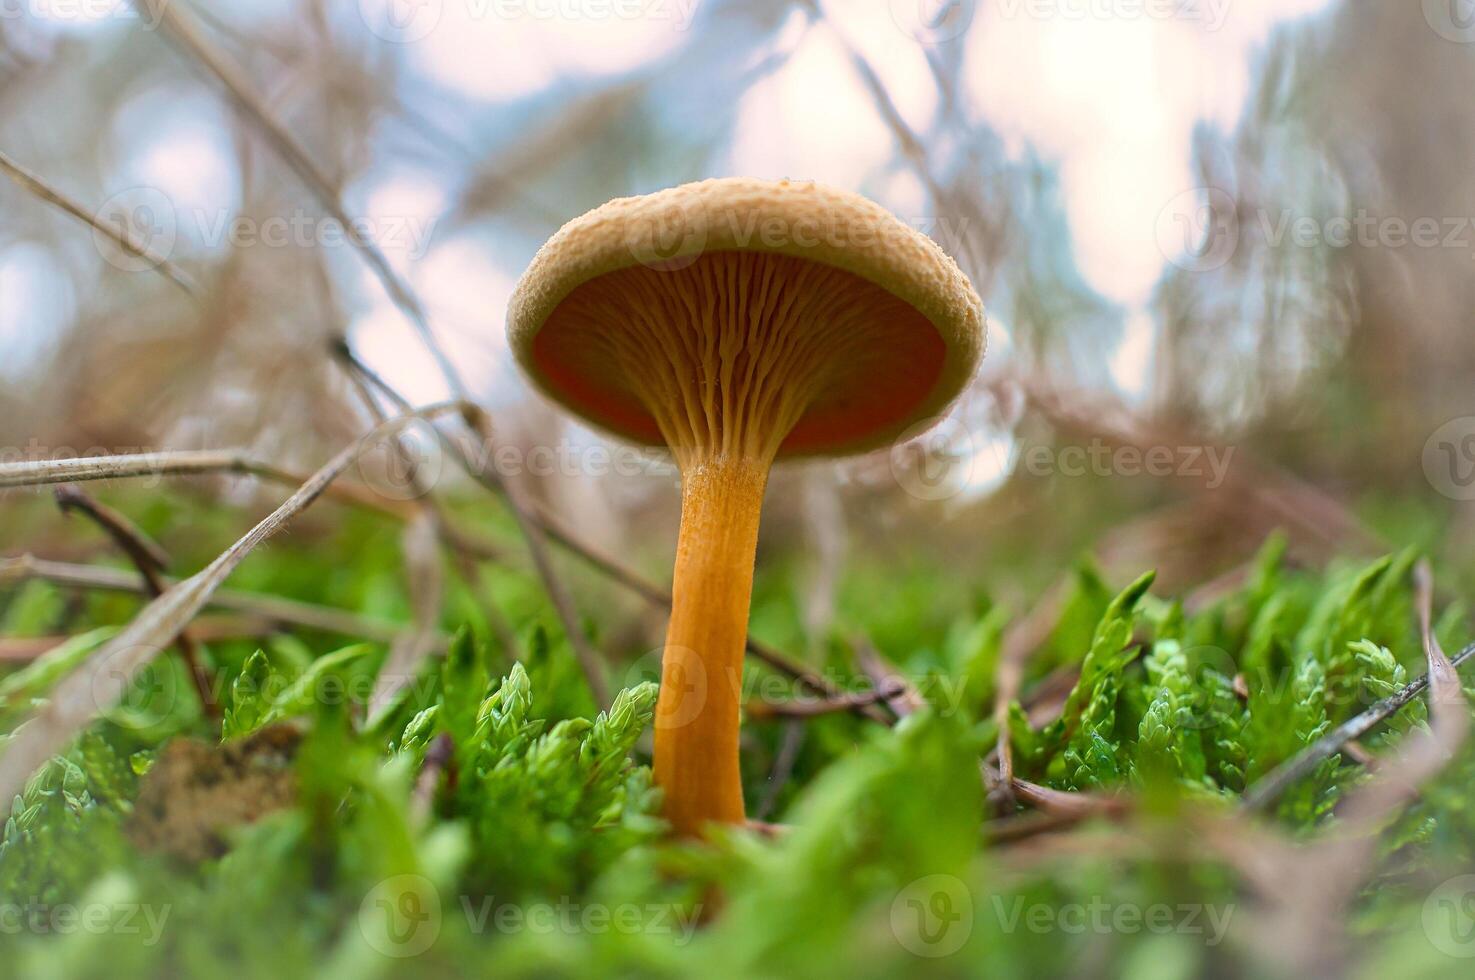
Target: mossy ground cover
{"points": [[489, 820]]}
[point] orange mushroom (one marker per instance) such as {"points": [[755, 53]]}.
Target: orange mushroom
{"points": [[736, 322]]}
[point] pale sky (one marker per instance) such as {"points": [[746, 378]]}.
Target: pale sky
{"points": [[1104, 91]]}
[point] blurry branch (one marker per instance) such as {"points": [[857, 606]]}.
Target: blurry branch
{"points": [[1289, 498], [179, 26], [901, 696], [183, 462], [1022, 638], [150, 560], [32, 473], [119, 236], [465, 554], [764, 710], [1422, 755], [912, 148], [14, 571], [1308, 888], [21, 649], [146, 554], [440, 759], [105, 676], [631, 580], [783, 768], [532, 532], [426, 581], [1447, 723]]}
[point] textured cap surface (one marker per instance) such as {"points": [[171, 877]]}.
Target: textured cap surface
{"points": [[678, 230]]}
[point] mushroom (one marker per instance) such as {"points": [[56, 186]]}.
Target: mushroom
{"points": [[735, 322]]}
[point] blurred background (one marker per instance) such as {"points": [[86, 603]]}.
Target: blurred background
{"points": [[1225, 245]]}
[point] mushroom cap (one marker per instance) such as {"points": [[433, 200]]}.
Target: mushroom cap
{"points": [[934, 337]]}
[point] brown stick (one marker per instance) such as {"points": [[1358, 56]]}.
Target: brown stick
{"points": [[111, 668], [33, 183], [150, 560], [270, 607]]}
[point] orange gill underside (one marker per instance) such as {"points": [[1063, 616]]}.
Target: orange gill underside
{"points": [[740, 339]]}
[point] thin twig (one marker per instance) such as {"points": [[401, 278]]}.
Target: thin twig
{"points": [[142, 550], [268, 607], [179, 26], [899, 694], [763, 710], [426, 581], [120, 237], [150, 560], [440, 758], [783, 768], [465, 552], [626, 577], [177, 462], [105, 676], [532, 532], [1269, 789], [1020, 640], [23, 649], [43, 472]]}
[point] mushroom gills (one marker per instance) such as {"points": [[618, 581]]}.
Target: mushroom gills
{"points": [[752, 354]]}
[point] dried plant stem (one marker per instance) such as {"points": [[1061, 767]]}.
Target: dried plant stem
{"points": [[179, 26], [33, 184], [609, 567], [178, 462], [265, 607], [1264, 793], [517, 503], [150, 560], [817, 707], [23, 649], [105, 676]]}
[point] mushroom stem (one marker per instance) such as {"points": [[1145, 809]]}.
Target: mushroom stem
{"points": [[697, 716]]}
